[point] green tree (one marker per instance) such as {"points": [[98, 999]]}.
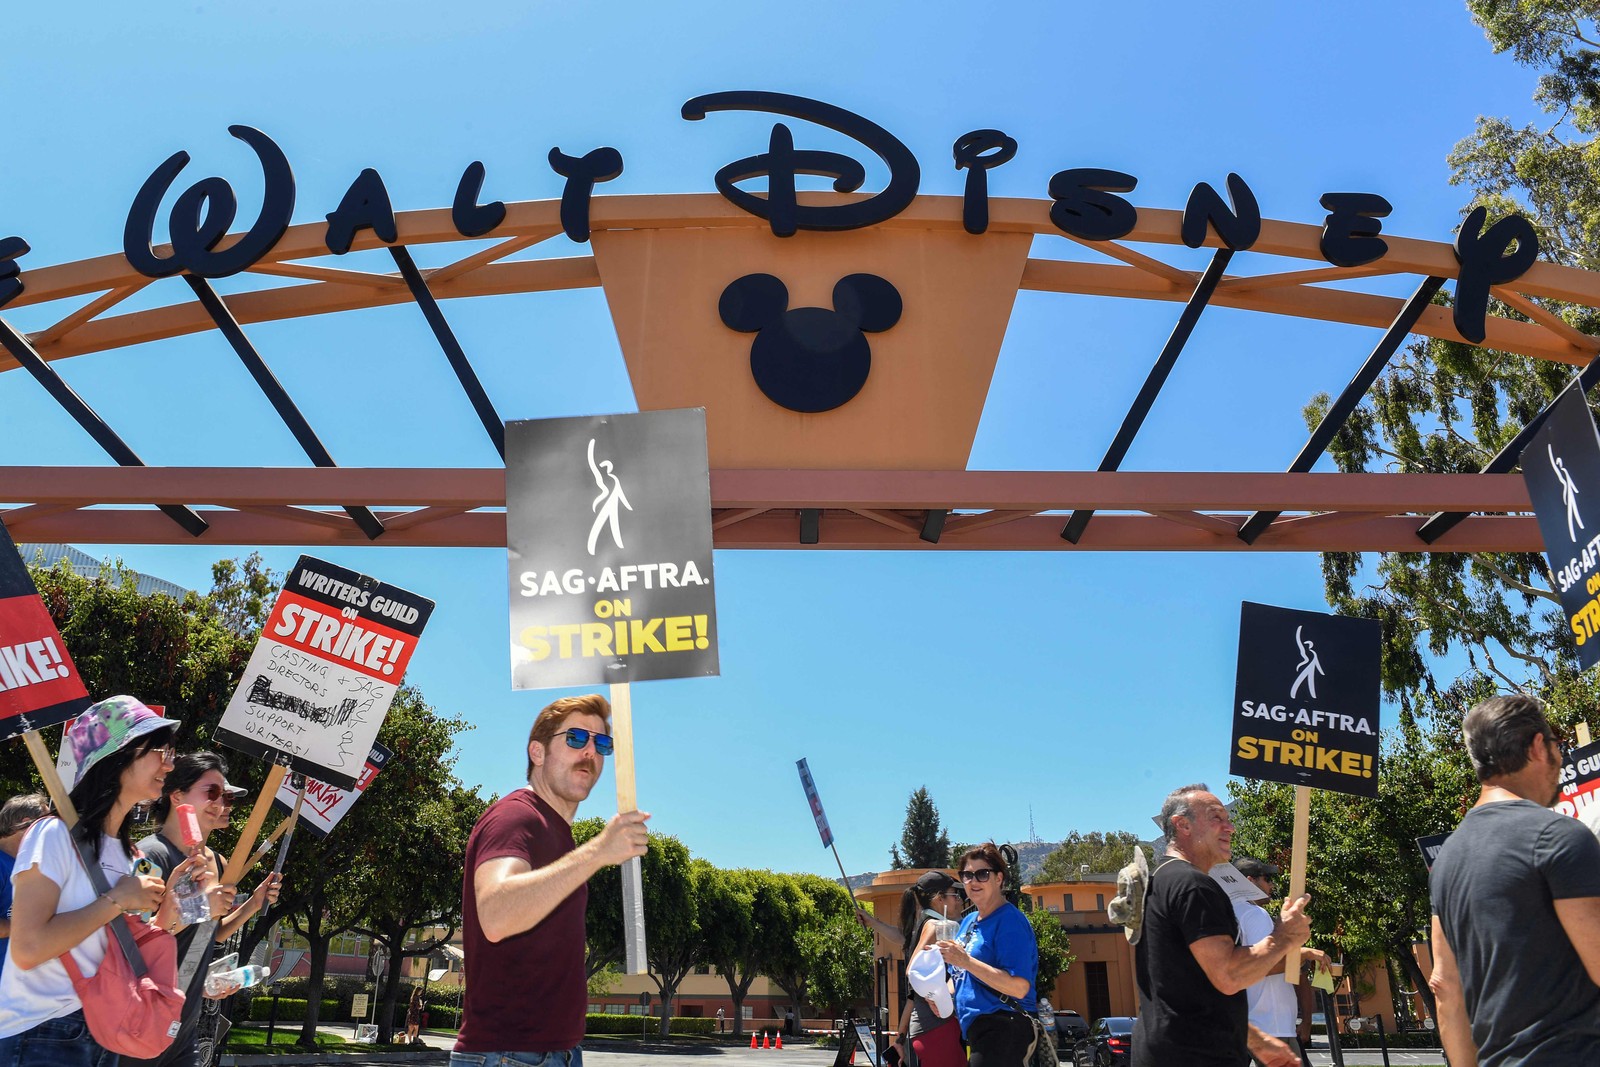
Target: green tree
{"points": [[809, 903], [729, 932], [1368, 884], [1105, 853], [782, 908], [673, 945], [923, 841], [1055, 949], [672, 929], [410, 882], [837, 955], [1549, 171]]}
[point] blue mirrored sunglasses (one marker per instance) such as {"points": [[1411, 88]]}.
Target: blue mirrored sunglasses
{"points": [[577, 737]]}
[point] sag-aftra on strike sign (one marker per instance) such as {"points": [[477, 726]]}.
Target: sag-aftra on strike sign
{"points": [[1306, 700], [608, 536]]}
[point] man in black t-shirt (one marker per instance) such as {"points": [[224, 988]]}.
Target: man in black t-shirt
{"points": [[1516, 906], [1191, 974]]}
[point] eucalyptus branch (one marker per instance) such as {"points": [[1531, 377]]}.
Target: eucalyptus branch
{"points": [[1522, 587], [1494, 668], [1577, 30]]}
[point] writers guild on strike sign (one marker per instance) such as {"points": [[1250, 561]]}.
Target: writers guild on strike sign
{"points": [[320, 680], [1306, 700], [608, 537]]}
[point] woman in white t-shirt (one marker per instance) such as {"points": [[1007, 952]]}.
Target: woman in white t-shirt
{"points": [[114, 757]]}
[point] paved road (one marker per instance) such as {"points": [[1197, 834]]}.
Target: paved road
{"points": [[604, 1054]]}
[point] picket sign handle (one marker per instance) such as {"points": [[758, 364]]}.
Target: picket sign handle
{"points": [[239, 862], [286, 825], [1297, 870], [632, 871], [52, 778], [622, 747]]}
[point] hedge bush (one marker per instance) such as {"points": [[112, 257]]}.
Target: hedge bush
{"points": [[1408, 1039], [444, 1018], [633, 1024], [290, 1009]]}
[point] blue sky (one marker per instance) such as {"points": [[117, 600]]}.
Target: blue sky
{"points": [[1080, 686]]}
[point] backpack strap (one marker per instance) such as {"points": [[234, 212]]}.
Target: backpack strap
{"points": [[119, 925]]}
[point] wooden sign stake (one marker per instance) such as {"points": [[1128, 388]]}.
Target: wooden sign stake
{"points": [[286, 825], [239, 862], [52, 778], [1297, 869], [628, 800]]}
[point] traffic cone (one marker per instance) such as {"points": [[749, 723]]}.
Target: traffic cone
{"points": [[753, 1041], [766, 1040], [779, 1045]]}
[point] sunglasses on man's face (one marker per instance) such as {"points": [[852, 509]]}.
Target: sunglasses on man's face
{"points": [[577, 738], [981, 874]]}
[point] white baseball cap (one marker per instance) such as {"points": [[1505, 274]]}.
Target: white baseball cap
{"points": [[927, 975]]}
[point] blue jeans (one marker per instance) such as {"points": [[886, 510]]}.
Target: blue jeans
{"points": [[63, 1042], [572, 1057]]}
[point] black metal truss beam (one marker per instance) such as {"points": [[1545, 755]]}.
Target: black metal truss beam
{"points": [[1153, 383], [1344, 406], [276, 394]]}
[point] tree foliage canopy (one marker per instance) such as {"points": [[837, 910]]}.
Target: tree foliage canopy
{"points": [[923, 841], [1105, 853]]}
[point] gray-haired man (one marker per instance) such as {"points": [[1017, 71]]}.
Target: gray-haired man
{"points": [[1191, 972], [1516, 905]]}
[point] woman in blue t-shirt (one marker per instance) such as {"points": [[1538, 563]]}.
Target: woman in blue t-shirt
{"points": [[996, 960]]}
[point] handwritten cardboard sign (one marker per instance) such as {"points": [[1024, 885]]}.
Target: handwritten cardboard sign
{"points": [[321, 679]]}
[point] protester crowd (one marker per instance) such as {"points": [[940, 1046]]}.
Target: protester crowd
{"points": [[72, 890], [1516, 929]]}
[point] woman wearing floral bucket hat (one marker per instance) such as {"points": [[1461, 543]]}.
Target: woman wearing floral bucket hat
{"points": [[114, 757]]}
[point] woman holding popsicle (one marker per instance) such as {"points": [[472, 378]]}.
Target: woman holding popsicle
{"points": [[114, 758], [196, 800]]}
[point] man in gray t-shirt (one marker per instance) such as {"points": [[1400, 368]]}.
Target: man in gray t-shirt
{"points": [[1516, 906]]}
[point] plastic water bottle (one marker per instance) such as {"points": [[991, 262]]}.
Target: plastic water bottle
{"points": [[193, 904], [244, 977]]}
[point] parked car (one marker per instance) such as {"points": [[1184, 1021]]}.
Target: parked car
{"points": [[1070, 1029], [1109, 1044]]}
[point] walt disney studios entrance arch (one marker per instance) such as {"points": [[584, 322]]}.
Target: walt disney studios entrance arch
{"points": [[842, 345]]}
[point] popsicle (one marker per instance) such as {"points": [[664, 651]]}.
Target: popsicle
{"points": [[189, 825]]}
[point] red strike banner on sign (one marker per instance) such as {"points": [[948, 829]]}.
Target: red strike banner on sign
{"points": [[311, 626], [35, 672]]}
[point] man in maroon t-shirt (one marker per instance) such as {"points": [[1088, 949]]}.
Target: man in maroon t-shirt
{"points": [[523, 896]]}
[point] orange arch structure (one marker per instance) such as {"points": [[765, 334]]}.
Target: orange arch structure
{"points": [[885, 470]]}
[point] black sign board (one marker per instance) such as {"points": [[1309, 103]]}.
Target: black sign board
{"points": [[1561, 465], [1580, 780], [1306, 700], [608, 530], [39, 686], [1429, 847]]}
